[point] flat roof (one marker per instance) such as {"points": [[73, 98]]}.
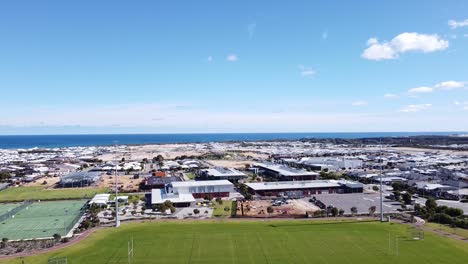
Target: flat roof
{"points": [[201, 183], [159, 196], [284, 185], [223, 172], [285, 170]]}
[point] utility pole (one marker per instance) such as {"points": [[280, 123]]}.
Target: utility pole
{"points": [[381, 195], [117, 221]]}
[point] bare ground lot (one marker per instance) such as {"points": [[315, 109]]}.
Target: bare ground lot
{"points": [[125, 182], [259, 208], [413, 150]]}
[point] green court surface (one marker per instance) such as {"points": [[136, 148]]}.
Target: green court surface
{"points": [[5, 208], [42, 219], [284, 242]]}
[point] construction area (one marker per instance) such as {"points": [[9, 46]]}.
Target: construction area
{"points": [[35, 220], [280, 208], [125, 183]]}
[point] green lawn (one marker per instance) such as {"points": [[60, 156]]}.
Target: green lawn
{"points": [[457, 231], [281, 242], [190, 175], [40, 193], [219, 208]]}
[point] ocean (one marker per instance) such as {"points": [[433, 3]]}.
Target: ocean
{"points": [[57, 141]]}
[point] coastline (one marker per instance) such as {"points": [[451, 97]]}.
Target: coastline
{"points": [[106, 140]]}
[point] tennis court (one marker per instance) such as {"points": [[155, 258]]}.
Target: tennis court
{"points": [[5, 208], [41, 219]]}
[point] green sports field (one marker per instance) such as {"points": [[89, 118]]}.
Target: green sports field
{"points": [[282, 242], [41, 193], [39, 220]]}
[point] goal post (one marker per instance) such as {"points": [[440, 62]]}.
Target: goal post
{"points": [[130, 251]]}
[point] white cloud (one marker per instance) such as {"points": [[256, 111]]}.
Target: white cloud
{"points": [[390, 95], [209, 59], [232, 57], [307, 71], [415, 108], [359, 103], [251, 29], [454, 24], [404, 42], [377, 51], [449, 85], [422, 89]]}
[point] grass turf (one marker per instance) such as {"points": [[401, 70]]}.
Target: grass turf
{"points": [[42, 219], [219, 208], [259, 242], [40, 193], [456, 231]]}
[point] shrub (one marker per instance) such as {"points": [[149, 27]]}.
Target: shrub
{"points": [[441, 218], [270, 209]]}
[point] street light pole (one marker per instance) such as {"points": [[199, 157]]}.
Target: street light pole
{"points": [[117, 221], [381, 195]]}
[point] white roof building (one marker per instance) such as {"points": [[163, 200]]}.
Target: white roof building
{"points": [[100, 199], [159, 196]]}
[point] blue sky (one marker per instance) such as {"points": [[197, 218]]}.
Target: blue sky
{"points": [[237, 66]]}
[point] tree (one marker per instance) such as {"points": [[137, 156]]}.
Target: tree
{"points": [[372, 210], [397, 195], [57, 236], [353, 210], [375, 188], [431, 204], [196, 211], [406, 198], [334, 211], [4, 176], [270, 210], [4, 242], [219, 201], [341, 212]]}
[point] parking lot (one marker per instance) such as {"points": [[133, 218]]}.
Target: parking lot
{"points": [[359, 200]]}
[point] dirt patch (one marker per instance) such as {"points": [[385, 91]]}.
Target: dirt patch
{"points": [[50, 181], [126, 183], [259, 208]]}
